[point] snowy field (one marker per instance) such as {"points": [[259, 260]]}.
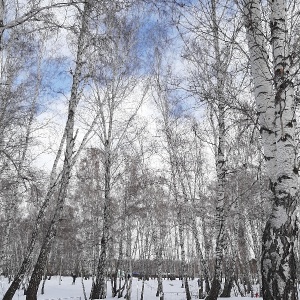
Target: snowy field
{"points": [[67, 291]]}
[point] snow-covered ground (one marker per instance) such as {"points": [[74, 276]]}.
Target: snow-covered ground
{"points": [[66, 291]]}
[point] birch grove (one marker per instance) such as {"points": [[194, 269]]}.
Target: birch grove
{"points": [[150, 139]]}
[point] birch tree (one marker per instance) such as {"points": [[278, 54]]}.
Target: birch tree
{"points": [[62, 180], [163, 103], [115, 80], [209, 51], [21, 81], [274, 95], [70, 137]]}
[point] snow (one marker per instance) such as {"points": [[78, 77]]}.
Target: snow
{"points": [[66, 291]]}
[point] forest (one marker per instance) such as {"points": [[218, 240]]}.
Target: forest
{"points": [[151, 139]]}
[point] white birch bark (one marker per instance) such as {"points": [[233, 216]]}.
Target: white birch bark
{"points": [[277, 111], [129, 266], [183, 254], [157, 240], [220, 216], [68, 162], [262, 81], [257, 250], [206, 250], [199, 253], [146, 257], [220, 162], [82, 281], [120, 258], [99, 290]]}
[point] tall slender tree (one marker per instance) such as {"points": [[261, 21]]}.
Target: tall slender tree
{"points": [[70, 137], [209, 59], [115, 79], [275, 101]]}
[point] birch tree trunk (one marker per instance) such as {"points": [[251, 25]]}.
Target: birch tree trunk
{"points": [[129, 263], [278, 259], [120, 260], [146, 258], [185, 283], [189, 190], [174, 162], [257, 251], [220, 164], [200, 255], [67, 166], [206, 252], [99, 289], [157, 239], [23, 155], [119, 84], [277, 120], [220, 218], [175, 170]]}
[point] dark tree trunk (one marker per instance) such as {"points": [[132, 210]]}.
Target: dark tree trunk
{"points": [[40, 265], [99, 288], [207, 285], [274, 274], [227, 288], [187, 288], [201, 291], [67, 166], [214, 289], [142, 291], [113, 280]]}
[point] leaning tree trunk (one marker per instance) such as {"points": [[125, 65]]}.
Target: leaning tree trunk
{"points": [[51, 233], [278, 258], [26, 263], [14, 203], [27, 260], [67, 166]]}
